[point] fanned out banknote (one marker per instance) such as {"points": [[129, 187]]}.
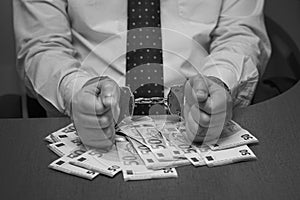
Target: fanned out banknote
{"points": [[148, 148]]}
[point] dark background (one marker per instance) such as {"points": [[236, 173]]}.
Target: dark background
{"points": [[285, 13]]}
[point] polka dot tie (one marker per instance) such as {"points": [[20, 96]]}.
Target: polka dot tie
{"points": [[144, 63]]}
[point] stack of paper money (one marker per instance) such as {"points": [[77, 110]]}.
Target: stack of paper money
{"points": [[148, 148]]}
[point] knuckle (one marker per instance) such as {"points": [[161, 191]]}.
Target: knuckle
{"points": [[110, 132], [204, 120], [105, 121]]}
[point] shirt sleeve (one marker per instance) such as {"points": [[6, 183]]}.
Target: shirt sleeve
{"points": [[45, 54], [240, 48]]}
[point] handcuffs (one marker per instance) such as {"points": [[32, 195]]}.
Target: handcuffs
{"points": [[173, 102]]}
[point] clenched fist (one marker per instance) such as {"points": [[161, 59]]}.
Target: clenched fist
{"points": [[95, 110], [207, 107]]}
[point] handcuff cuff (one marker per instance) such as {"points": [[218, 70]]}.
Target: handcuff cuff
{"points": [[172, 102]]}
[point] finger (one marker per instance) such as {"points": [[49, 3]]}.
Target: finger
{"points": [[198, 133], [189, 96], [199, 88], [105, 137], [114, 108], [195, 132], [103, 144], [96, 137], [205, 135], [191, 125], [194, 129], [87, 101], [213, 120], [199, 116], [194, 126], [109, 93], [218, 100], [116, 113], [99, 107], [112, 132], [109, 132], [106, 119]]}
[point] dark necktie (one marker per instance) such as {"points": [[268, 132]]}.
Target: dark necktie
{"points": [[144, 64]]}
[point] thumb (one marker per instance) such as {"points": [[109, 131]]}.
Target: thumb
{"points": [[109, 93], [201, 95], [199, 89]]}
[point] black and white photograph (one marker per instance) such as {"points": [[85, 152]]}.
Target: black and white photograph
{"points": [[150, 99]]}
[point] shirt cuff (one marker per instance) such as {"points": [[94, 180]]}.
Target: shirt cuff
{"points": [[224, 73]]}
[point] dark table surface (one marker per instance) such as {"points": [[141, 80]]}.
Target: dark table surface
{"points": [[275, 175]]}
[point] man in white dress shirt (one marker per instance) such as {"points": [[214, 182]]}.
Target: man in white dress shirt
{"points": [[55, 39]]}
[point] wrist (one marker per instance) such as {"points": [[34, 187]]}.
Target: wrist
{"points": [[219, 82]]}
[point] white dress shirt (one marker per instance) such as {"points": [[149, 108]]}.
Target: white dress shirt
{"points": [[222, 38]]}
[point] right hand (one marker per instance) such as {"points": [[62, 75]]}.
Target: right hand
{"points": [[95, 109]]}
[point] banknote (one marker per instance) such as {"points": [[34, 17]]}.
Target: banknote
{"points": [[133, 167], [155, 141], [233, 135], [228, 156], [49, 139], [176, 152], [92, 160], [148, 148], [62, 164], [151, 161], [131, 132], [62, 133], [109, 158], [178, 139], [63, 148], [67, 132]]}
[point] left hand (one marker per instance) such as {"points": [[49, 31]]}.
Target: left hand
{"points": [[207, 107]]}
